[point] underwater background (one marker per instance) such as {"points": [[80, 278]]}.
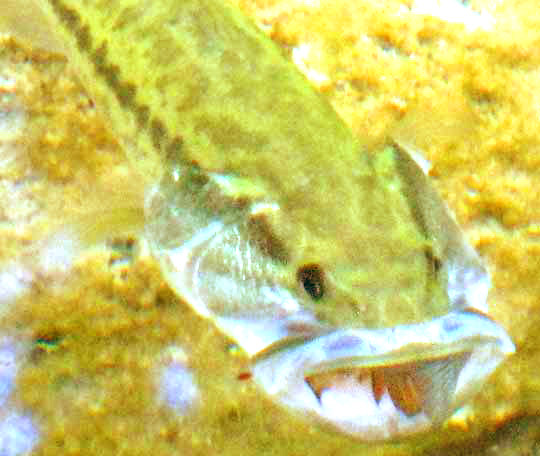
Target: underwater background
{"points": [[118, 365]]}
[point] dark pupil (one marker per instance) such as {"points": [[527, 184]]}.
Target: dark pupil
{"points": [[311, 278]]}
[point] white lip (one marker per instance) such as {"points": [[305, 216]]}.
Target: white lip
{"points": [[461, 349]]}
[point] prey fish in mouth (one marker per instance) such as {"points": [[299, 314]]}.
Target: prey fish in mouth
{"points": [[337, 269]]}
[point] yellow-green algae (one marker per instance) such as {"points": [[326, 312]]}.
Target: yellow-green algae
{"points": [[489, 175]]}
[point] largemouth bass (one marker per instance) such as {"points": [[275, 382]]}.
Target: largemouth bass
{"points": [[368, 315]]}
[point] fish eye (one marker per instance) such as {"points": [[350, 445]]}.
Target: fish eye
{"points": [[311, 276]]}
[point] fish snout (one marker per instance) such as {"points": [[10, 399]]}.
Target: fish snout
{"points": [[387, 383]]}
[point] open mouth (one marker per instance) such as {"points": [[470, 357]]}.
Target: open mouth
{"points": [[387, 383], [405, 386], [386, 402]]}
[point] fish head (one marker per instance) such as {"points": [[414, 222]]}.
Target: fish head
{"points": [[369, 317]]}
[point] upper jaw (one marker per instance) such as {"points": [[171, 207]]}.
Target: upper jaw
{"points": [[379, 384]]}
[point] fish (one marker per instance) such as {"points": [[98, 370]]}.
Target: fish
{"points": [[338, 270]]}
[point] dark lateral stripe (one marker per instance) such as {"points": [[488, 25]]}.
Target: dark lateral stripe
{"points": [[125, 92]]}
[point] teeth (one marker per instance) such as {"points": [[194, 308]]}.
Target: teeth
{"points": [[405, 387], [378, 384], [407, 390]]}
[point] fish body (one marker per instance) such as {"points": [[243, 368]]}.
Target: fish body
{"points": [[336, 269]]}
